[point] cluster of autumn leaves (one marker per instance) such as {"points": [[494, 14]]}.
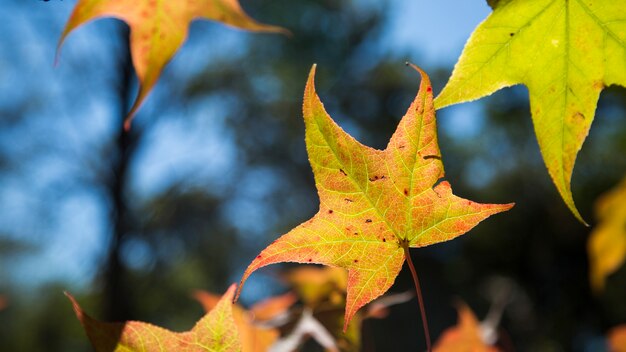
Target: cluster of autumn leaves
{"points": [[230, 327], [376, 204]]}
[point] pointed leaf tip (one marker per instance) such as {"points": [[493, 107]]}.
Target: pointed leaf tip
{"points": [[311, 79]]}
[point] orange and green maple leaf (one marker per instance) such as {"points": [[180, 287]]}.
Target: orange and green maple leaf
{"points": [[158, 28], [216, 331], [374, 204]]}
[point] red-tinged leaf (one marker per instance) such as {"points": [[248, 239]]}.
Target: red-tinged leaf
{"points": [[254, 338], [465, 336], [158, 29], [3, 302], [617, 339], [216, 331], [374, 203]]}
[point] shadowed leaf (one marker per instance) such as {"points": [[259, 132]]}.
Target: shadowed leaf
{"points": [[465, 336], [607, 243], [617, 339]]}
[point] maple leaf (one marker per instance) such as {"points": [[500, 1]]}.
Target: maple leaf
{"points": [[374, 204], [617, 339], [216, 331], [254, 337], [607, 243], [465, 336], [158, 28], [565, 52]]}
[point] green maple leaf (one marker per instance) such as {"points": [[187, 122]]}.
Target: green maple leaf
{"points": [[158, 28], [215, 332], [565, 52], [374, 204]]}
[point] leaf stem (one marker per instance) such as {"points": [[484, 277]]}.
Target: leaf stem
{"points": [[418, 290]]}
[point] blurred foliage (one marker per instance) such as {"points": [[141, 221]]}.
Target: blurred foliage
{"points": [[196, 232]]}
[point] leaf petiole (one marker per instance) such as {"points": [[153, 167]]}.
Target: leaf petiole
{"points": [[418, 290]]}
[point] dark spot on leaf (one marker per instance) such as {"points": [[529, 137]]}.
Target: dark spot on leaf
{"points": [[429, 89], [310, 260], [401, 146], [348, 200], [377, 178], [406, 192], [258, 257], [578, 115], [432, 157], [384, 240], [330, 211], [356, 260], [356, 233], [368, 220], [511, 34], [343, 172]]}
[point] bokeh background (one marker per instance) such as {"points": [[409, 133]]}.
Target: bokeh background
{"points": [[215, 168]]}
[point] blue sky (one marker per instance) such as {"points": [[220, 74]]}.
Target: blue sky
{"points": [[434, 31]]}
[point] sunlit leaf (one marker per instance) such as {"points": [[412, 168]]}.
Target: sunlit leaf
{"points": [[253, 336], [607, 243], [374, 204], [216, 331], [158, 28], [565, 52]]}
